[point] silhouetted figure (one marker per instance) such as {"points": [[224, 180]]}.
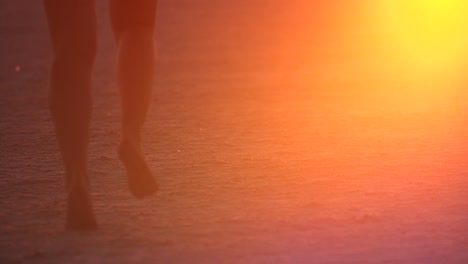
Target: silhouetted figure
{"points": [[72, 25]]}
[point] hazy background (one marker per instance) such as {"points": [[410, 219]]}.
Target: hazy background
{"points": [[281, 132]]}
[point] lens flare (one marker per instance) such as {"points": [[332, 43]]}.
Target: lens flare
{"points": [[431, 35]]}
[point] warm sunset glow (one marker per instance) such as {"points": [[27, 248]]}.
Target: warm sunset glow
{"points": [[431, 35]]}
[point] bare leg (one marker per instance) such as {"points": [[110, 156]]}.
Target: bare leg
{"points": [[72, 26], [135, 73]]}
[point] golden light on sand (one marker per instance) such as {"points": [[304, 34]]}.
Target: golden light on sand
{"points": [[431, 36]]}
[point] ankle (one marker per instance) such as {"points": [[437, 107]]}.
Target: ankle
{"points": [[80, 185], [130, 139]]}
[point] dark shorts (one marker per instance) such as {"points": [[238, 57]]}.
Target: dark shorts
{"points": [[71, 19], [132, 14]]}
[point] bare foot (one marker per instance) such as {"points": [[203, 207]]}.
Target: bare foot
{"points": [[140, 179], [80, 213]]}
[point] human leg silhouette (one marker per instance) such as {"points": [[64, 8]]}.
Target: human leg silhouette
{"points": [[72, 25], [133, 24]]}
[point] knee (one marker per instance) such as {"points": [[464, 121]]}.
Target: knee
{"points": [[139, 35], [75, 56]]}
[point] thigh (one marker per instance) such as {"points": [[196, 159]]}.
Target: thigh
{"points": [[72, 24], [128, 14]]}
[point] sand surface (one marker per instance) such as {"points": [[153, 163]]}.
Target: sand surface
{"points": [[260, 159]]}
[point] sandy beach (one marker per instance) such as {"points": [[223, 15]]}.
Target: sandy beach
{"points": [[264, 154]]}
